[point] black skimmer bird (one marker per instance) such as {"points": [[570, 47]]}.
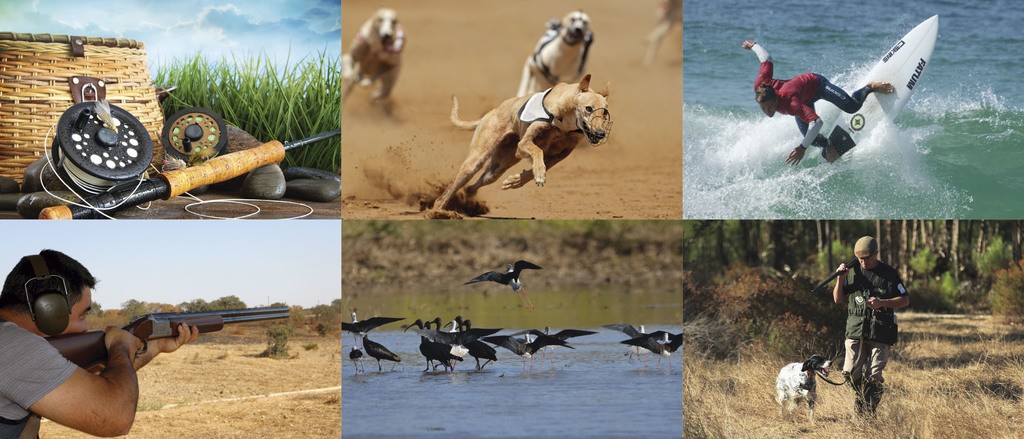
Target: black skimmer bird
{"points": [[524, 347], [355, 355], [379, 352], [658, 342], [511, 278], [359, 329], [433, 351]]}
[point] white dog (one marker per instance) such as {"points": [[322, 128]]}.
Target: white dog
{"points": [[375, 55], [560, 55], [796, 381], [671, 12]]}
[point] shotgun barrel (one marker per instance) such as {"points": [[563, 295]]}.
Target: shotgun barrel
{"points": [[850, 264], [88, 350], [173, 183]]}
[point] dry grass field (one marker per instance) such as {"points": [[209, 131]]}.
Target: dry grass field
{"points": [[219, 387], [950, 377]]}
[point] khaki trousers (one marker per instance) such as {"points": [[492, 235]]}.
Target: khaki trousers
{"points": [[875, 356]]}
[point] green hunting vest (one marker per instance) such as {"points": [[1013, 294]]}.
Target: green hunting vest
{"points": [[882, 282]]}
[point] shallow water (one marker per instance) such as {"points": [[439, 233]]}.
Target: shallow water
{"points": [[497, 306], [953, 152], [592, 391]]}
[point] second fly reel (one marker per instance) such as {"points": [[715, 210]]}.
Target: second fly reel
{"points": [[194, 135]]}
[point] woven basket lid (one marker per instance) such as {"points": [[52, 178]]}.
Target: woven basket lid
{"points": [[66, 39]]}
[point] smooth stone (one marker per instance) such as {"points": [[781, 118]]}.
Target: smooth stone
{"points": [[200, 190], [8, 185], [10, 201], [31, 204], [314, 190], [295, 173], [30, 182], [265, 182]]}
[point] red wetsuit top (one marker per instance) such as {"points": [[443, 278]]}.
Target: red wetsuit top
{"points": [[794, 93]]}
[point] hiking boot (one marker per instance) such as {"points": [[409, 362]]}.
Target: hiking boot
{"points": [[881, 87]]}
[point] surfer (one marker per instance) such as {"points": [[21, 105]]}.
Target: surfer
{"points": [[796, 97]]}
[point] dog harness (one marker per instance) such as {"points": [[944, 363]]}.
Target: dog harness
{"points": [[551, 34], [533, 110]]}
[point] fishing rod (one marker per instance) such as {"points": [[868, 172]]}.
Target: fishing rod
{"points": [[850, 264], [170, 184]]}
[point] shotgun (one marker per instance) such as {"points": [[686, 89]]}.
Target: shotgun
{"points": [[170, 184], [850, 264], [88, 350]]}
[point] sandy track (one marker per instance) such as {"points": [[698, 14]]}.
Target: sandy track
{"points": [[476, 52]]}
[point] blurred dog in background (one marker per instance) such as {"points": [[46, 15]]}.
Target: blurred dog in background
{"points": [[375, 55], [560, 55], [670, 13]]}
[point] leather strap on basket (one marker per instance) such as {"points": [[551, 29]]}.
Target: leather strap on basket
{"points": [[78, 46], [87, 88]]}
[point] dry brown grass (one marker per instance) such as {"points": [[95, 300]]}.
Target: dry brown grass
{"points": [[950, 377], [221, 388]]}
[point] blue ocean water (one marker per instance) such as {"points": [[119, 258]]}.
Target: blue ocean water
{"points": [[955, 151]]}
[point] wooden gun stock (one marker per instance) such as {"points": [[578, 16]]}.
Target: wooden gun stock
{"points": [[89, 351]]}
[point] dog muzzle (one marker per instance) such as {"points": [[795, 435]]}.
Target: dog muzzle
{"points": [[595, 124]]}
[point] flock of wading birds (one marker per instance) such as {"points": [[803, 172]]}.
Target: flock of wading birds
{"points": [[449, 346]]}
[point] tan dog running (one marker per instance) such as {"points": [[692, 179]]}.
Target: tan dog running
{"points": [[375, 55], [544, 127]]}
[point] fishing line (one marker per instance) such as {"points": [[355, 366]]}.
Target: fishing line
{"points": [[53, 168], [247, 202]]}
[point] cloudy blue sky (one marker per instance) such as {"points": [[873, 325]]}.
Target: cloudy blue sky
{"points": [[175, 261], [181, 28]]}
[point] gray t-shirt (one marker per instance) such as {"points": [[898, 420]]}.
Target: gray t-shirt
{"points": [[29, 369]]}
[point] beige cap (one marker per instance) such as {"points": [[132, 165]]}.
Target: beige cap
{"points": [[865, 246]]}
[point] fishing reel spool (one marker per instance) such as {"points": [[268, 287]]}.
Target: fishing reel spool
{"points": [[194, 135], [96, 157]]}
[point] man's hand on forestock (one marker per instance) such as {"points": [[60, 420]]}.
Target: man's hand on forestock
{"points": [[186, 335]]}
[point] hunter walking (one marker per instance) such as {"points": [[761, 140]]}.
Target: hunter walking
{"points": [[872, 290]]}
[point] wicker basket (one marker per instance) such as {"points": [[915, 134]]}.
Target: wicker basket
{"points": [[37, 73]]}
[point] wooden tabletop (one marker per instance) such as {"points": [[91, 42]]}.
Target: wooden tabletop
{"points": [[268, 209]]}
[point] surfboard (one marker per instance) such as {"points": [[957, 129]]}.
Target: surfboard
{"points": [[902, 66]]}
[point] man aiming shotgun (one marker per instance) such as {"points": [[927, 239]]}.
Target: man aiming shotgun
{"points": [[50, 294], [872, 290]]}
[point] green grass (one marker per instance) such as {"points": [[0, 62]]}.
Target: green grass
{"points": [[272, 102]]}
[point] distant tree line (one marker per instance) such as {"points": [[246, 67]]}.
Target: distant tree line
{"points": [[952, 264], [323, 319], [748, 283]]}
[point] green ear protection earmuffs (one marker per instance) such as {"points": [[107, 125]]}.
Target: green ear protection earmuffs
{"points": [[49, 308]]}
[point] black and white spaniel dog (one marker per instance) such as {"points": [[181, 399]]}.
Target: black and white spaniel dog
{"points": [[796, 382]]}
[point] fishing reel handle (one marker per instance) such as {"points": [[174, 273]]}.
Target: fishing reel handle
{"points": [[222, 168]]}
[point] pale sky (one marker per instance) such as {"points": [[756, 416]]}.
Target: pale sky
{"points": [[283, 28], [174, 261]]}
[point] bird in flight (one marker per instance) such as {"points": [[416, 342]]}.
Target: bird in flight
{"points": [[511, 278]]}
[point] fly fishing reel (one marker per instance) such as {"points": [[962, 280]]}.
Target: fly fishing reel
{"points": [[98, 145], [194, 135]]}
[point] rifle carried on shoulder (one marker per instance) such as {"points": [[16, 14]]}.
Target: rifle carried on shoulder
{"points": [[88, 350]]}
